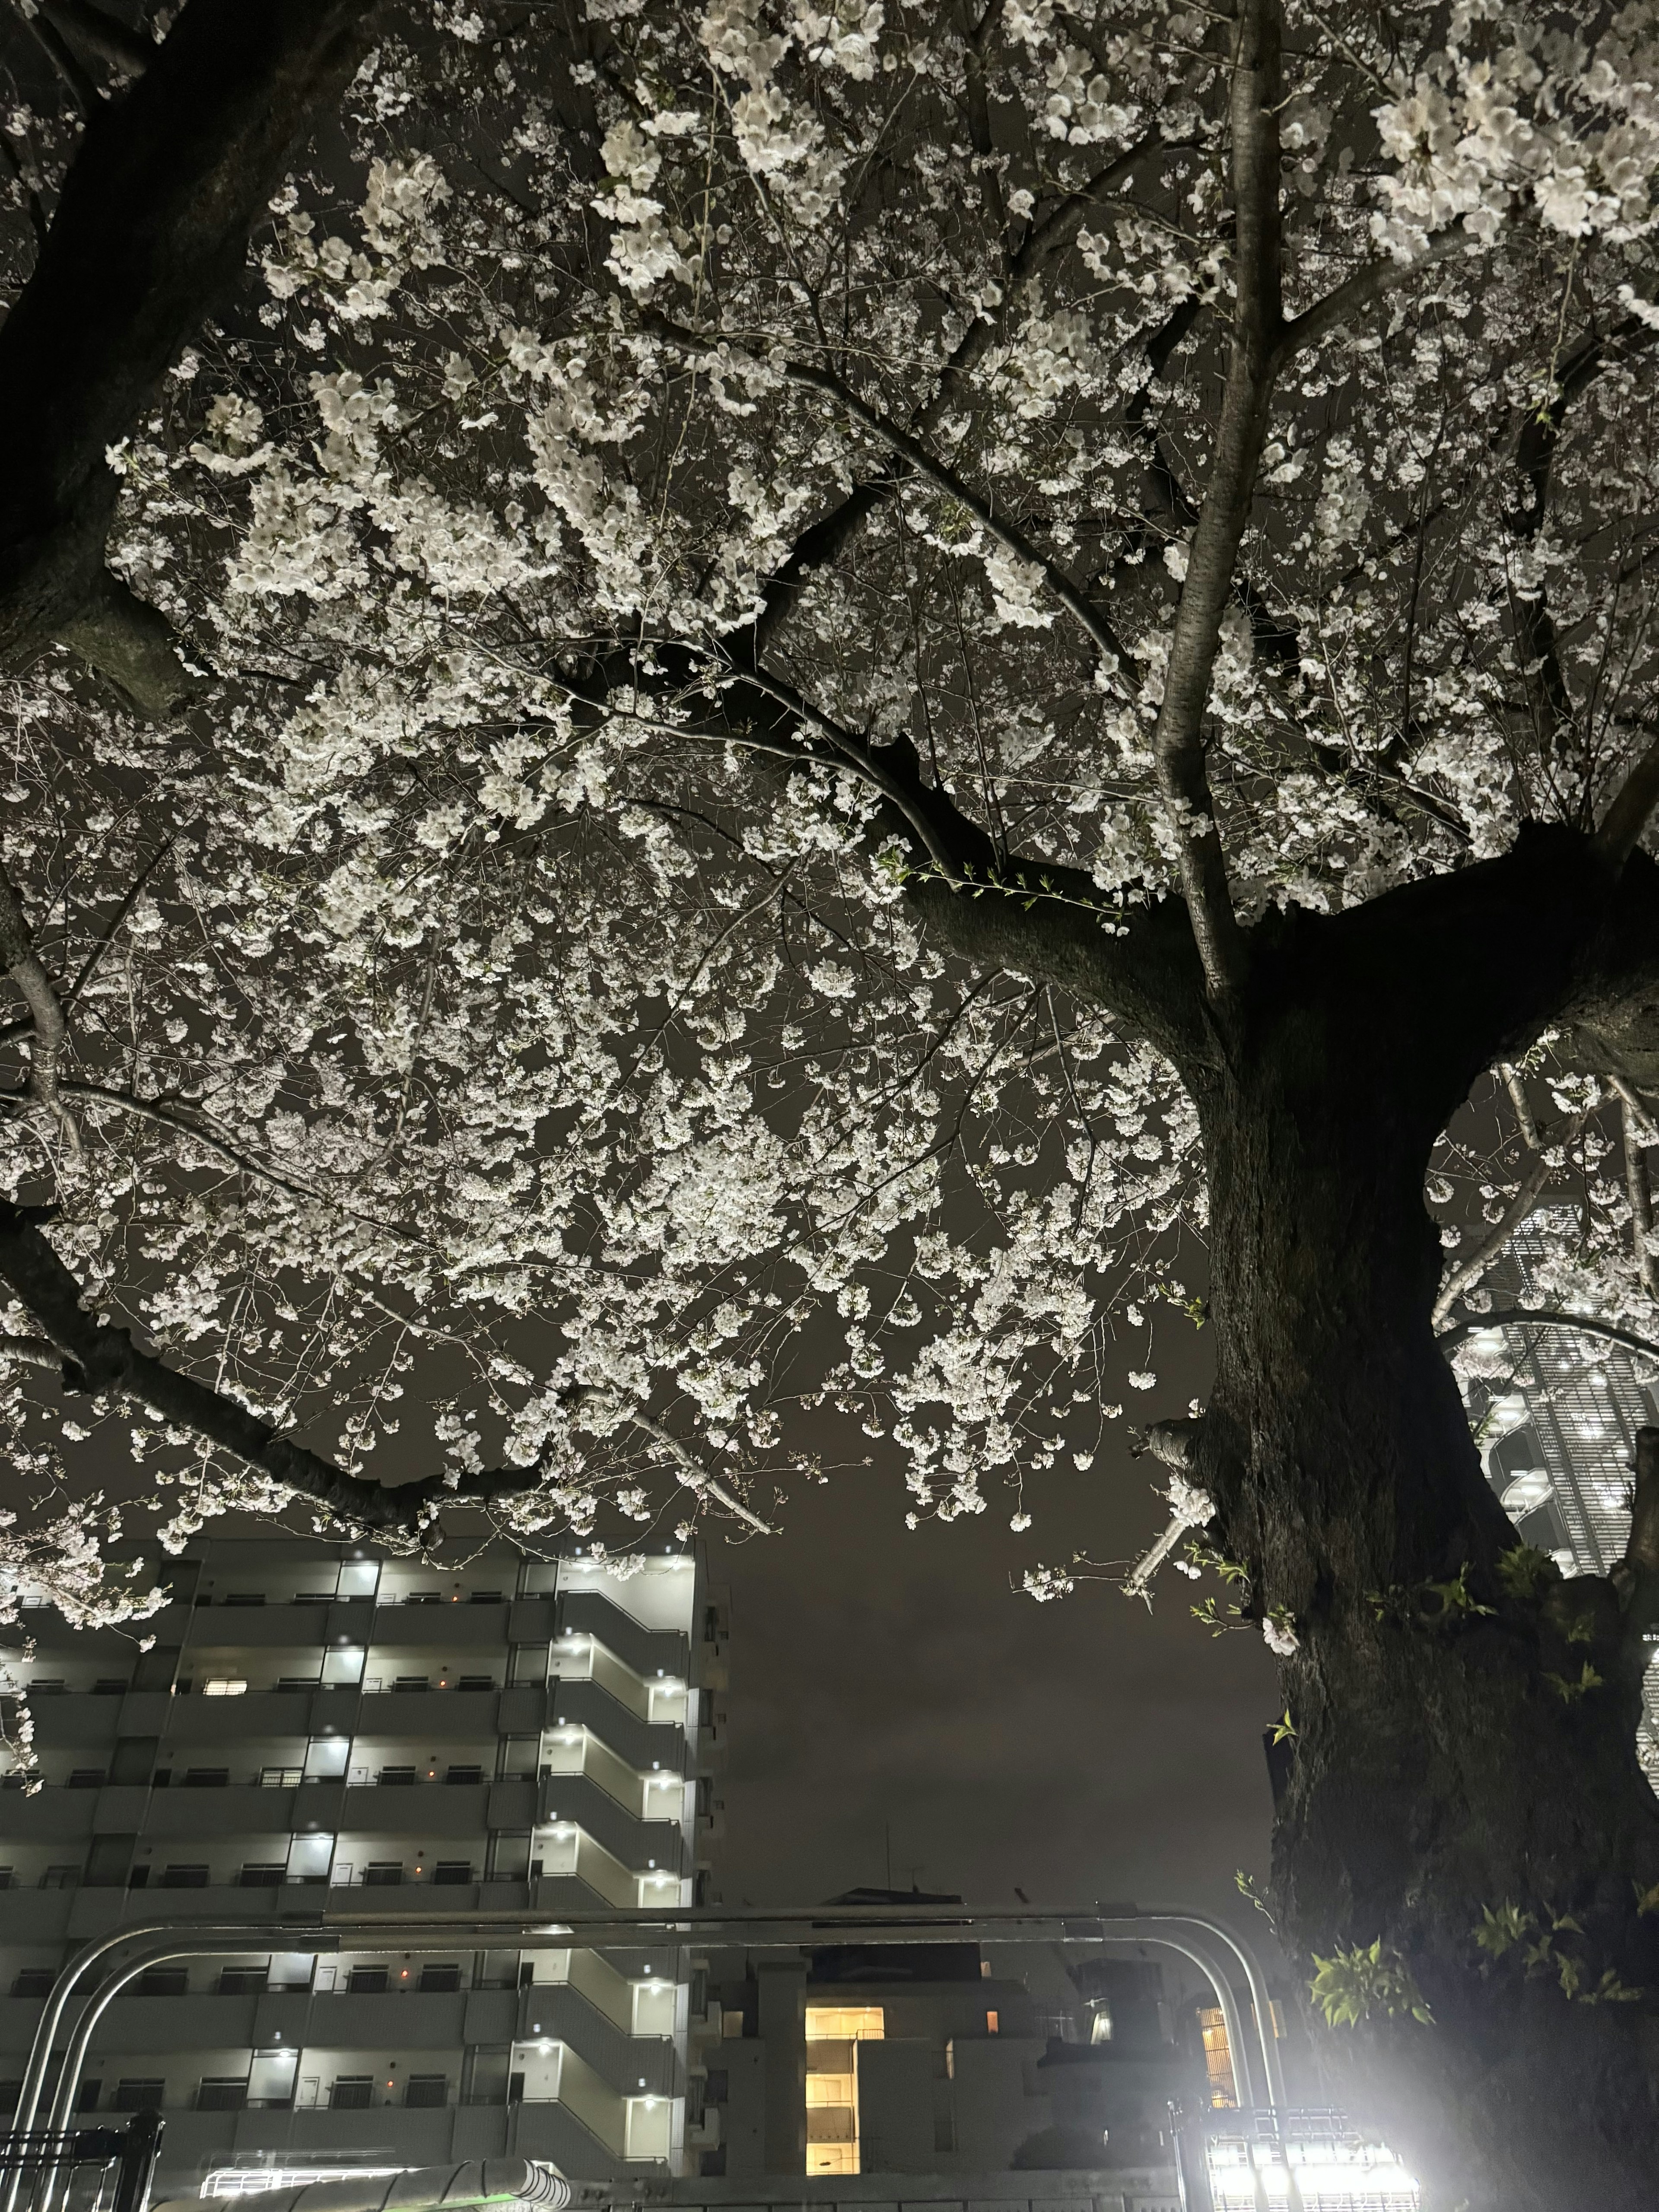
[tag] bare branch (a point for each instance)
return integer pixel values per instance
(51, 40)
(693, 1475)
(191, 1122)
(1468, 1271)
(1641, 1199)
(50, 1038)
(1586, 1324)
(1633, 1107)
(1089, 617)
(1367, 285)
(1206, 591)
(1523, 1105)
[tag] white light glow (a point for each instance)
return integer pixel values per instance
(1334, 2175)
(260, 2180)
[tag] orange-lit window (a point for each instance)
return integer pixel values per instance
(833, 2033)
(1217, 2058)
(990, 2023)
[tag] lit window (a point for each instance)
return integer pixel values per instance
(224, 1685)
(1217, 2058)
(990, 2023)
(832, 2032)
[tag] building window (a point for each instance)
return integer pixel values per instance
(219, 2092)
(281, 1778)
(452, 1871)
(396, 1777)
(432, 1978)
(991, 2023)
(33, 1982)
(60, 1877)
(184, 1877)
(423, 2091)
(476, 1682)
(164, 1982)
(261, 1877)
(464, 1777)
(350, 2093)
(131, 2096)
(1217, 2056)
(368, 1980)
(832, 2035)
(412, 1682)
(383, 1874)
(85, 1778)
(206, 1777)
(243, 1981)
(224, 1685)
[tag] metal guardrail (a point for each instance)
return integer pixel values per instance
(132, 2151)
(1286, 2158)
(1207, 1943)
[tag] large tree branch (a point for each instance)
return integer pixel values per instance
(103, 36)
(49, 1031)
(107, 1358)
(1368, 284)
(97, 1356)
(1032, 917)
(1206, 591)
(1537, 447)
(1632, 1123)
(1542, 1317)
(1619, 830)
(151, 228)
(1636, 1579)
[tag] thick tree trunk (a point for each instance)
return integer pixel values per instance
(1448, 1763)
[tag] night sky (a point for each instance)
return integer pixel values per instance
(1079, 1750)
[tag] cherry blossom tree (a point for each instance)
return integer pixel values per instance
(721, 711)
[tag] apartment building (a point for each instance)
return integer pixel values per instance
(924, 2058)
(320, 1731)
(1559, 1436)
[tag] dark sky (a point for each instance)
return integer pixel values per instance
(1083, 1749)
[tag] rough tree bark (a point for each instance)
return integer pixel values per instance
(149, 231)
(1449, 1761)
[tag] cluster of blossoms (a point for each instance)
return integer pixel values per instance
(500, 1046)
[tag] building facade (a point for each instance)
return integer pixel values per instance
(1559, 1438)
(924, 2059)
(316, 1730)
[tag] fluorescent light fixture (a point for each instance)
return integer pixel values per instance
(260, 2180)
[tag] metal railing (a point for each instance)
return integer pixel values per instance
(125, 1954)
